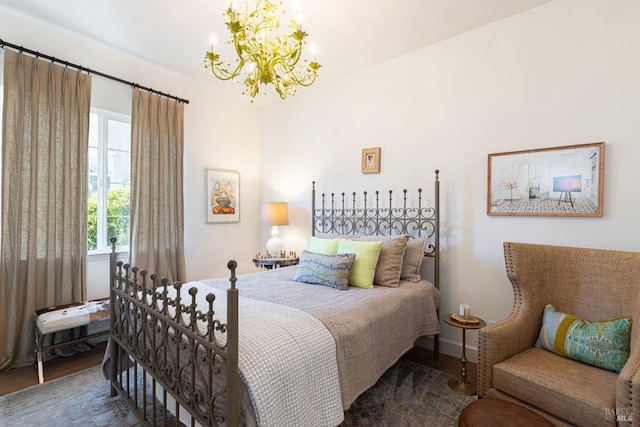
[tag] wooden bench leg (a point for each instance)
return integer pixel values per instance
(39, 367)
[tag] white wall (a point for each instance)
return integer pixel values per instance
(219, 132)
(564, 73)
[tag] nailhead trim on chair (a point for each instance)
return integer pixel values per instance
(483, 362)
(635, 412)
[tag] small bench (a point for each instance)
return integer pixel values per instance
(64, 317)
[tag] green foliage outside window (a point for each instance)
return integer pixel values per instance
(117, 218)
(92, 223)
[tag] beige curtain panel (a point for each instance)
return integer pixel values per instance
(44, 196)
(157, 221)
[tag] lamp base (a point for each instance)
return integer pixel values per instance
(275, 244)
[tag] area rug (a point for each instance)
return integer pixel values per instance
(79, 399)
(408, 394)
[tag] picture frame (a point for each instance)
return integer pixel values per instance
(557, 181)
(222, 198)
(371, 160)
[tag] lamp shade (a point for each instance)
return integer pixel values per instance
(275, 213)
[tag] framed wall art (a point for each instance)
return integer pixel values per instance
(371, 160)
(558, 181)
(223, 195)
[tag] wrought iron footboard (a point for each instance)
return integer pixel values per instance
(162, 346)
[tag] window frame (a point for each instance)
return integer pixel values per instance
(102, 241)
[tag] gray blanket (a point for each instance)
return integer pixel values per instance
(372, 328)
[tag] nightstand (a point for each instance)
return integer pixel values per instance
(461, 385)
(268, 261)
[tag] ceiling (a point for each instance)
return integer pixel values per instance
(350, 34)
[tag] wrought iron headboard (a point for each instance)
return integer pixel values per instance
(338, 216)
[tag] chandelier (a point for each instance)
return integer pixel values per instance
(264, 55)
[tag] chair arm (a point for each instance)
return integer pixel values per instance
(504, 339)
(628, 391)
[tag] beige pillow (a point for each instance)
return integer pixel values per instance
(412, 260)
(390, 259)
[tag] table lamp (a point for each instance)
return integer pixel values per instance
(275, 214)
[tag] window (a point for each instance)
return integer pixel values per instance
(109, 180)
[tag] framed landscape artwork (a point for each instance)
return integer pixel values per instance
(223, 195)
(558, 181)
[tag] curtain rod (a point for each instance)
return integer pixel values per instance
(88, 70)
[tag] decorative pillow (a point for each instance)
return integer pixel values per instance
(322, 246)
(364, 266)
(412, 260)
(325, 270)
(604, 344)
(390, 260)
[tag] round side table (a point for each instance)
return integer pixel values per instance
(462, 385)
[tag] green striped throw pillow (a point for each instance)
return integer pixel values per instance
(326, 270)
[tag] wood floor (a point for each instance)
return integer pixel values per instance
(16, 379)
(448, 364)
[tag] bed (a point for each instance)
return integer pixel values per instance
(269, 348)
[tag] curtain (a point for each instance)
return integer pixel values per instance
(157, 221)
(44, 183)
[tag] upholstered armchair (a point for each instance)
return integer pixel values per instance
(590, 284)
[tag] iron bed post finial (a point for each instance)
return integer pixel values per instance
(232, 265)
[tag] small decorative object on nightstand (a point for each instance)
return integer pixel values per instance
(462, 385)
(281, 259)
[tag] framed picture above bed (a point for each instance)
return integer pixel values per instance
(223, 195)
(371, 160)
(558, 181)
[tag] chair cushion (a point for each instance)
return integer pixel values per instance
(604, 344)
(578, 393)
